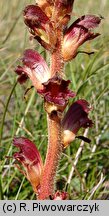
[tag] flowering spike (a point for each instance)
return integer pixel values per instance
(78, 33)
(47, 22)
(75, 118)
(34, 67)
(30, 159)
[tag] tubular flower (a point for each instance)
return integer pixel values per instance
(40, 25)
(56, 91)
(75, 118)
(30, 159)
(34, 67)
(78, 33)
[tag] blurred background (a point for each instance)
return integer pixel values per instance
(21, 116)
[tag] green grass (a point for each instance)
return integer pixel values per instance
(26, 117)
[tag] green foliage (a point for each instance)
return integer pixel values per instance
(26, 117)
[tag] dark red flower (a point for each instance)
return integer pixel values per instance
(30, 159)
(34, 67)
(56, 91)
(40, 25)
(78, 33)
(75, 118)
(35, 18)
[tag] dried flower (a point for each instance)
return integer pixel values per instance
(75, 118)
(30, 159)
(34, 67)
(78, 33)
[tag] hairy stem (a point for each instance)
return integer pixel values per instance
(57, 63)
(55, 146)
(54, 152)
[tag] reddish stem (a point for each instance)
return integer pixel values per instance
(57, 63)
(55, 146)
(54, 151)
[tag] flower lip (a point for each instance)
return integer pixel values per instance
(56, 91)
(88, 21)
(20, 71)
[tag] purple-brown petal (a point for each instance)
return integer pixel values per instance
(77, 116)
(39, 24)
(27, 149)
(56, 91)
(34, 67)
(32, 58)
(78, 33)
(34, 17)
(88, 21)
(85, 22)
